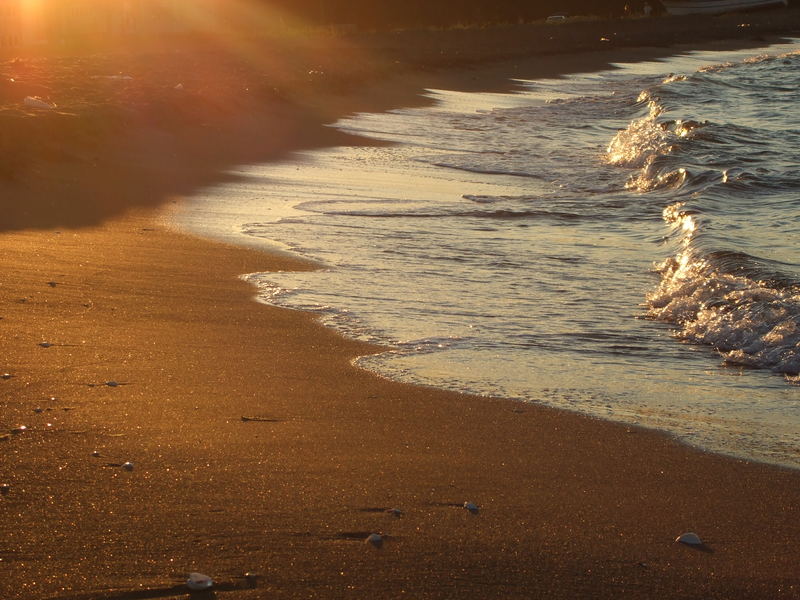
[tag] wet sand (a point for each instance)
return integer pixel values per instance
(256, 446)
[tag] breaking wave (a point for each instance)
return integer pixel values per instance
(729, 182)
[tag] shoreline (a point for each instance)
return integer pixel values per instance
(203, 222)
(570, 506)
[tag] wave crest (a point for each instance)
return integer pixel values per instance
(642, 139)
(750, 322)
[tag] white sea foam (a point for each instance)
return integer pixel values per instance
(642, 140)
(748, 322)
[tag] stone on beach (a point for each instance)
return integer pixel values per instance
(374, 539)
(197, 582)
(471, 507)
(128, 466)
(690, 538)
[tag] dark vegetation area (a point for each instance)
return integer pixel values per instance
(383, 14)
(415, 13)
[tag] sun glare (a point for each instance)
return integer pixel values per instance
(30, 9)
(53, 19)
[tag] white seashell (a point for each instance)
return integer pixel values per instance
(128, 466)
(473, 508)
(198, 582)
(689, 538)
(374, 539)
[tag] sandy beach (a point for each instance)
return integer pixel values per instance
(254, 445)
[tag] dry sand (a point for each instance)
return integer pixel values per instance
(571, 507)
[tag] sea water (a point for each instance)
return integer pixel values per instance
(622, 243)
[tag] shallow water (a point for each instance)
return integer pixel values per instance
(621, 243)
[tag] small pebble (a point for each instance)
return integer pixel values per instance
(45, 344)
(689, 538)
(6, 376)
(197, 582)
(20, 429)
(96, 454)
(128, 466)
(38, 410)
(374, 539)
(395, 512)
(5, 489)
(473, 508)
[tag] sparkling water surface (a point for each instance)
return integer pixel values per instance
(622, 243)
